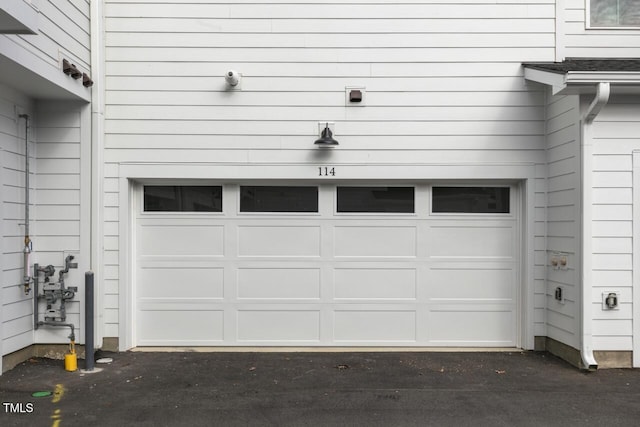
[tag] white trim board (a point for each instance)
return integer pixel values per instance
(132, 173)
(636, 259)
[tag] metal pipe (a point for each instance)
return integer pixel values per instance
(26, 252)
(72, 337)
(36, 285)
(88, 322)
(96, 148)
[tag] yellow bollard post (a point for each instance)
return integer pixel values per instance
(71, 358)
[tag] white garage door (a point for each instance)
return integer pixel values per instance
(327, 265)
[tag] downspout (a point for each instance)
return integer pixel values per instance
(26, 252)
(603, 90)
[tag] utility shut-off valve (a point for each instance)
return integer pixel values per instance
(56, 294)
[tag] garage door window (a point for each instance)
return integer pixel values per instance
(173, 198)
(278, 199)
(376, 199)
(471, 199)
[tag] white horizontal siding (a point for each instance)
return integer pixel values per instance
(296, 113)
(425, 67)
(443, 85)
(63, 31)
(291, 40)
(563, 216)
(260, 88)
(190, 57)
(16, 308)
(326, 10)
(616, 133)
(460, 93)
(580, 41)
(309, 128)
(58, 193)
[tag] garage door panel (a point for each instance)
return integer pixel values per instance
(180, 304)
(326, 278)
(453, 281)
(278, 283)
(472, 327)
(375, 283)
(278, 326)
(176, 327)
(378, 241)
(180, 240)
(278, 241)
(374, 326)
(181, 282)
(474, 241)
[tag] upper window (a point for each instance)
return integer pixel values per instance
(173, 198)
(278, 199)
(615, 13)
(376, 199)
(471, 199)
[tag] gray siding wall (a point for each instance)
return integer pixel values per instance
(563, 218)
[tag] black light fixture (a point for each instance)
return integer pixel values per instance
(75, 73)
(326, 138)
(86, 80)
(66, 67)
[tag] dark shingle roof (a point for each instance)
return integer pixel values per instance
(587, 64)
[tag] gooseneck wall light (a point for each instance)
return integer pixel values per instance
(326, 138)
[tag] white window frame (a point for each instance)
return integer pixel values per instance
(512, 202)
(415, 212)
(240, 213)
(181, 213)
(588, 26)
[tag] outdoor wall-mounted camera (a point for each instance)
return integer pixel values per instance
(232, 78)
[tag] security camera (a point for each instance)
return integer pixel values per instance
(232, 78)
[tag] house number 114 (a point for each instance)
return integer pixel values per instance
(326, 171)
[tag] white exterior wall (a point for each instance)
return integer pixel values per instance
(576, 40)
(615, 133)
(62, 203)
(58, 209)
(563, 219)
(443, 87)
(63, 31)
(17, 308)
(59, 134)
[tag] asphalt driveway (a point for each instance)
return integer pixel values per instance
(320, 389)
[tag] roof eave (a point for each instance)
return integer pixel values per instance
(581, 82)
(557, 81)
